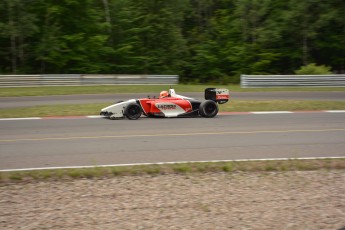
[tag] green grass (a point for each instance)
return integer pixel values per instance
(281, 105)
(72, 90)
(180, 168)
(53, 110)
(232, 106)
(113, 89)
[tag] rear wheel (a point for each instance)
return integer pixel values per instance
(133, 111)
(208, 108)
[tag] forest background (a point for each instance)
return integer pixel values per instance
(200, 40)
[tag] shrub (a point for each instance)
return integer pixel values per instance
(313, 69)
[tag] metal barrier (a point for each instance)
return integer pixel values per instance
(85, 79)
(259, 81)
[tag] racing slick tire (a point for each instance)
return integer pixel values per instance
(133, 111)
(208, 108)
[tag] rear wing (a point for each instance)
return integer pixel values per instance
(220, 96)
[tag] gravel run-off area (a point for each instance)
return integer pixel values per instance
(240, 200)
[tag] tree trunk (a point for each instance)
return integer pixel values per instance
(12, 39)
(305, 49)
(108, 19)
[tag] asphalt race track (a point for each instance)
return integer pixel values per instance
(99, 141)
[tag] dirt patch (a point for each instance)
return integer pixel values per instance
(244, 200)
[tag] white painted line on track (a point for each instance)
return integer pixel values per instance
(20, 118)
(220, 113)
(94, 116)
(335, 111)
(174, 162)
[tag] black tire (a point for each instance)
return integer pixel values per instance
(208, 108)
(133, 111)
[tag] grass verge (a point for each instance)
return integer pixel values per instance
(232, 106)
(281, 105)
(180, 168)
(112, 89)
(53, 110)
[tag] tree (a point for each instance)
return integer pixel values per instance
(201, 40)
(17, 27)
(70, 44)
(159, 45)
(329, 45)
(304, 24)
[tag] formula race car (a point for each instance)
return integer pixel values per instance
(169, 104)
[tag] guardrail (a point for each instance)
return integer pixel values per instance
(259, 81)
(85, 79)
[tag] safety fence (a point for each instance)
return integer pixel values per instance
(260, 81)
(85, 79)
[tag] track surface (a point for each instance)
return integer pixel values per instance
(13, 102)
(77, 142)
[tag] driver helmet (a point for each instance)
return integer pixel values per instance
(163, 94)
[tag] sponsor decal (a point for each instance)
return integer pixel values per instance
(171, 109)
(222, 97)
(166, 107)
(222, 94)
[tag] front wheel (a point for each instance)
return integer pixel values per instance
(133, 111)
(208, 108)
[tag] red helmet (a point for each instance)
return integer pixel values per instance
(163, 94)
